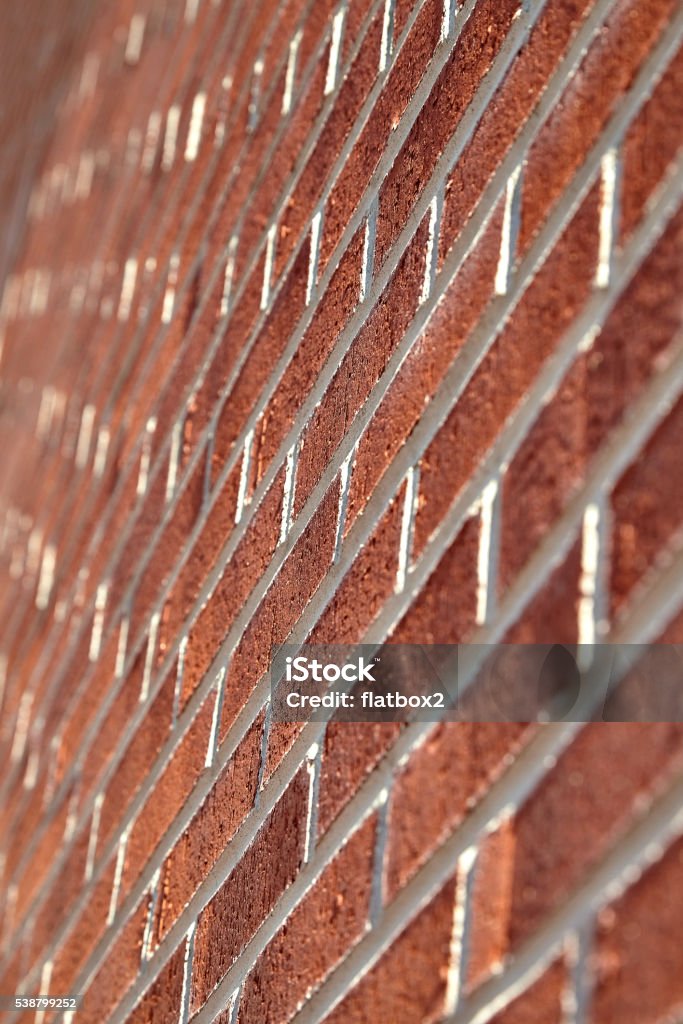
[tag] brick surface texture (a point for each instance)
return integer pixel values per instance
(340, 321)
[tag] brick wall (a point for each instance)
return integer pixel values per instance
(336, 321)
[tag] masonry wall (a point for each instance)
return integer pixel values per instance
(336, 321)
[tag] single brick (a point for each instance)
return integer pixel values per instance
(331, 917)
(250, 892)
(224, 809)
(489, 906)
(408, 984)
(646, 508)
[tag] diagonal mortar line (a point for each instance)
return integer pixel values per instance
(97, 539)
(152, 212)
(527, 585)
(102, 526)
(517, 783)
(653, 226)
(187, 222)
(579, 52)
(417, 100)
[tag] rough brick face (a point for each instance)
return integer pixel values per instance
(337, 322)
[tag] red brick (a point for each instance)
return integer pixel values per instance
(246, 566)
(226, 806)
(399, 87)
(425, 366)
(362, 366)
(219, 524)
(119, 970)
(544, 312)
(250, 892)
(606, 73)
(507, 113)
(166, 799)
(580, 810)
(292, 589)
(137, 760)
(543, 1000)
(408, 984)
(267, 349)
(553, 459)
(454, 90)
(161, 1003)
(646, 508)
(442, 780)
(84, 935)
(328, 921)
(650, 145)
(489, 906)
(348, 102)
(331, 316)
(637, 959)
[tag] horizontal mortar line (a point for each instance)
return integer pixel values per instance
(322, 487)
(218, 486)
(528, 584)
(363, 804)
(96, 540)
(179, 193)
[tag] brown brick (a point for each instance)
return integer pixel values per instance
(224, 809)
(543, 1000)
(292, 589)
(324, 926)
(119, 970)
(271, 864)
(166, 799)
(507, 113)
(650, 145)
(489, 906)
(425, 366)
(453, 91)
(442, 780)
(545, 311)
(646, 506)
(161, 1002)
(580, 810)
(242, 572)
(401, 82)
(408, 984)
(362, 366)
(606, 73)
(637, 960)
